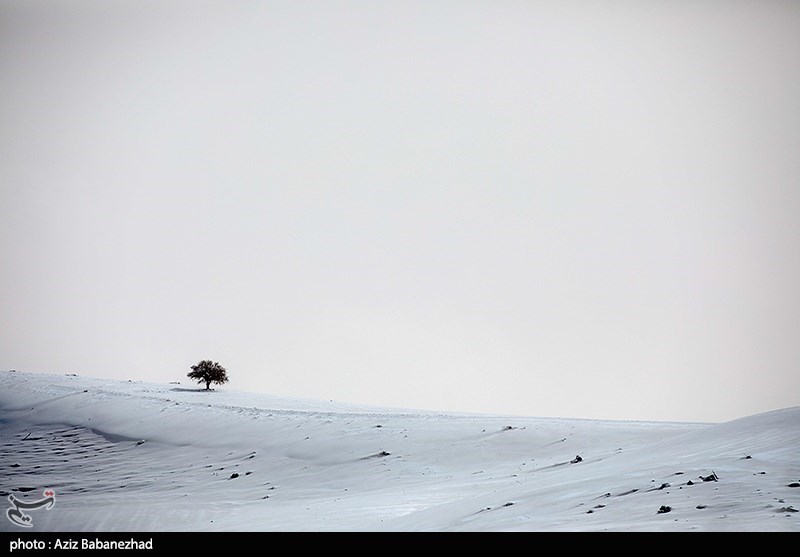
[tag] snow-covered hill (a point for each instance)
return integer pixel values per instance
(132, 456)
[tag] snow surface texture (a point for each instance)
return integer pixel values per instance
(132, 456)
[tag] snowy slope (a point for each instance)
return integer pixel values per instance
(132, 456)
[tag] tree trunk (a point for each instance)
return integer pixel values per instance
(208, 383)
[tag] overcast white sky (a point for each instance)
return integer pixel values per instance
(566, 208)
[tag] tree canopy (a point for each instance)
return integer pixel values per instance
(208, 372)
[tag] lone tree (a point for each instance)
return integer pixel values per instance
(208, 372)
